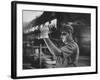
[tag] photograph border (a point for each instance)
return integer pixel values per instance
(14, 38)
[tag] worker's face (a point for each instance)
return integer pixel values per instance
(64, 36)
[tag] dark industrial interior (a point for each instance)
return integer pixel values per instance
(82, 35)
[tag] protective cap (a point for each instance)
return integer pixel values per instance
(66, 27)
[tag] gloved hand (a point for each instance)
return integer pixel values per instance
(44, 30)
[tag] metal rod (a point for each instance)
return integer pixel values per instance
(40, 55)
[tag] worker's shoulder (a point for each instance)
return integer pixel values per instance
(71, 45)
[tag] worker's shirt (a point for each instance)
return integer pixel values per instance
(67, 58)
(69, 55)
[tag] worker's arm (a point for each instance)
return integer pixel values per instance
(51, 46)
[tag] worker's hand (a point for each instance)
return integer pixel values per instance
(44, 30)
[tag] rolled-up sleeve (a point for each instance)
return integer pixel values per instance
(68, 49)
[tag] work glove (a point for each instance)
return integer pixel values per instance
(44, 30)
